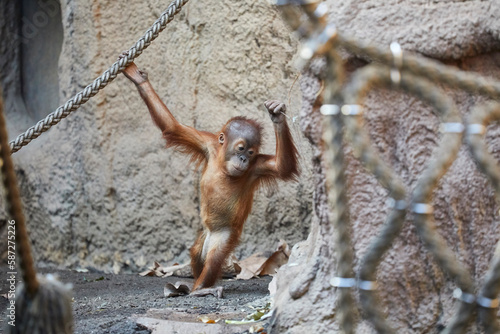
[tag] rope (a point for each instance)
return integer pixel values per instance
(14, 208)
(336, 186)
(431, 69)
(359, 86)
(344, 122)
(485, 115)
(100, 82)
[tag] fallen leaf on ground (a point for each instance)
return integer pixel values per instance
(231, 267)
(259, 314)
(217, 291)
(177, 289)
(182, 270)
(276, 260)
(251, 265)
(185, 288)
(158, 270)
(259, 264)
(153, 271)
(207, 320)
(256, 329)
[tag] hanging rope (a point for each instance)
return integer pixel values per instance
(343, 111)
(109, 75)
(14, 208)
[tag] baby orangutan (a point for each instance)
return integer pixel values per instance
(233, 169)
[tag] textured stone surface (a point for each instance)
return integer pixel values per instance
(100, 188)
(424, 26)
(416, 295)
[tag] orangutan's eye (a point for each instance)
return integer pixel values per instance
(241, 148)
(250, 152)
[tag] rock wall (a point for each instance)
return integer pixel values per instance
(99, 188)
(415, 294)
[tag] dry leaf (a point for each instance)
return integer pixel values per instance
(177, 289)
(176, 269)
(283, 246)
(158, 270)
(276, 260)
(259, 264)
(151, 271)
(250, 266)
(207, 320)
(147, 273)
(256, 329)
(231, 267)
(217, 291)
(237, 268)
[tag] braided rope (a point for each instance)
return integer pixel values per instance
(336, 184)
(404, 74)
(488, 165)
(420, 66)
(100, 82)
(359, 85)
(15, 210)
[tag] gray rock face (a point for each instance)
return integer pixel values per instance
(424, 26)
(100, 189)
(416, 295)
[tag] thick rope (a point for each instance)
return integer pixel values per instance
(355, 92)
(109, 75)
(393, 71)
(431, 69)
(484, 116)
(337, 194)
(15, 210)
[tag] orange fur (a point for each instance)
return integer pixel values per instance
(184, 143)
(195, 252)
(226, 195)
